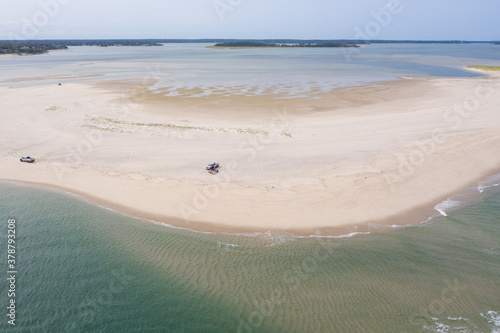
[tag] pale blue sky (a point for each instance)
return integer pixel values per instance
(305, 19)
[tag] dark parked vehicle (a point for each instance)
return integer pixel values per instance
(27, 159)
(212, 166)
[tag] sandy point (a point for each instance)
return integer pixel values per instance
(384, 153)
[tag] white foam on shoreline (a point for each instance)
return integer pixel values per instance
(349, 235)
(466, 195)
(227, 247)
(493, 318)
(457, 325)
(278, 238)
(492, 181)
(445, 205)
(461, 324)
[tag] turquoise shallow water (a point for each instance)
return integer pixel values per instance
(82, 268)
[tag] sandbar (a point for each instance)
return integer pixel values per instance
(383, 153)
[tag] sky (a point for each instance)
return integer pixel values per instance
(251, 19)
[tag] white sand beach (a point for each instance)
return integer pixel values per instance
(368, 154)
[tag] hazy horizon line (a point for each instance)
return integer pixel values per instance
(258, 39)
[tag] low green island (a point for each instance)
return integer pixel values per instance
(31, 47)
(485, 68)
(28, 48)
(253, 44)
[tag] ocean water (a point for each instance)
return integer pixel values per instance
(82, 268)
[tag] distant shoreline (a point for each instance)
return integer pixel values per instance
(35, 47)
(484, 68)
(74, 42)
(266, 47)
(258, 44)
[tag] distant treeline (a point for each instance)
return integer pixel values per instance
(300, 44)
(86, 42)
(28, 48)
(43, 46)
(335, 41)
(141, 42)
